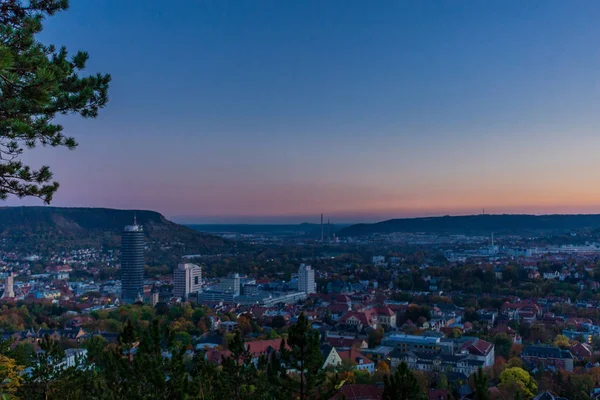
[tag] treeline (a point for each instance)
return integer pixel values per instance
(155, 361)
(153, 364)
(474, 280)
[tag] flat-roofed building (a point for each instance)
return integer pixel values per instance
(187, 279)
(424, 344)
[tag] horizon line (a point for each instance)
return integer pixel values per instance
(298, 220)
(336, 218)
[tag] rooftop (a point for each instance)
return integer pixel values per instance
(546, 352)
(396, 337)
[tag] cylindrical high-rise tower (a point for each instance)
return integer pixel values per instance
(132, 263)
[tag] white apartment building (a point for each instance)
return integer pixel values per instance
(187, 279)
(306, 279)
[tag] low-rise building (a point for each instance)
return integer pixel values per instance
(228, 326)
(582, 351)
(585, 337)
(548, 356)
(424, 344)
(358, 360)
(480, 350)
(437, 362)
(331, 357)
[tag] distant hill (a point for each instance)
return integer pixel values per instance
(478, 224)
(305, 229)
(42, 227)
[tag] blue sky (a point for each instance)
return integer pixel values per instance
(280, 110)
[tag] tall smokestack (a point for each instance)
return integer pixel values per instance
(321, 228)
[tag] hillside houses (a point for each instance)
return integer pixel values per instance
(524, 311)
(437, 362)
(370, 317)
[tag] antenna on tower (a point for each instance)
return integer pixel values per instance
(134, 219)
(321, 227)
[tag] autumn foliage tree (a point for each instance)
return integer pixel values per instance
(10, 376)
(382, 368)
(516, 380)
(562, 341)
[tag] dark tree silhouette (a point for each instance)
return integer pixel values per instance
(480, 381)
(37, 82)
(402, 385)
(300, 355)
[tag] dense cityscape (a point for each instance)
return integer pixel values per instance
(523, 311)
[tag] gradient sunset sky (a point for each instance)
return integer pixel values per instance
(275, 111)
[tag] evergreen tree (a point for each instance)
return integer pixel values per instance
(95, 346)
(151, 364)
(127, 338)
(298, 372)
(480, 381)
(37, 82)
(240, 371)
(116, 376)
(46, 371)
(207, 381)
(402, 385)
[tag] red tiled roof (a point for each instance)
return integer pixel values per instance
(578, 321)
(581, 350)
(360, 392)
(215, 355)
(553, 320)
(344, 342)
(478, 347)
(397, 307)
(338, 307)
(438, 394)
(524, 305)
(503, 328)
(353, 356)
(61, 268)
(342, 298)
(361, 316)
(526, 314)
(385, 311)
(260, 347)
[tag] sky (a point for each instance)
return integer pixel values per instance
(277, 111)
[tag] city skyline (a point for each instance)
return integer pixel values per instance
(292, 200)
(280, 111)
